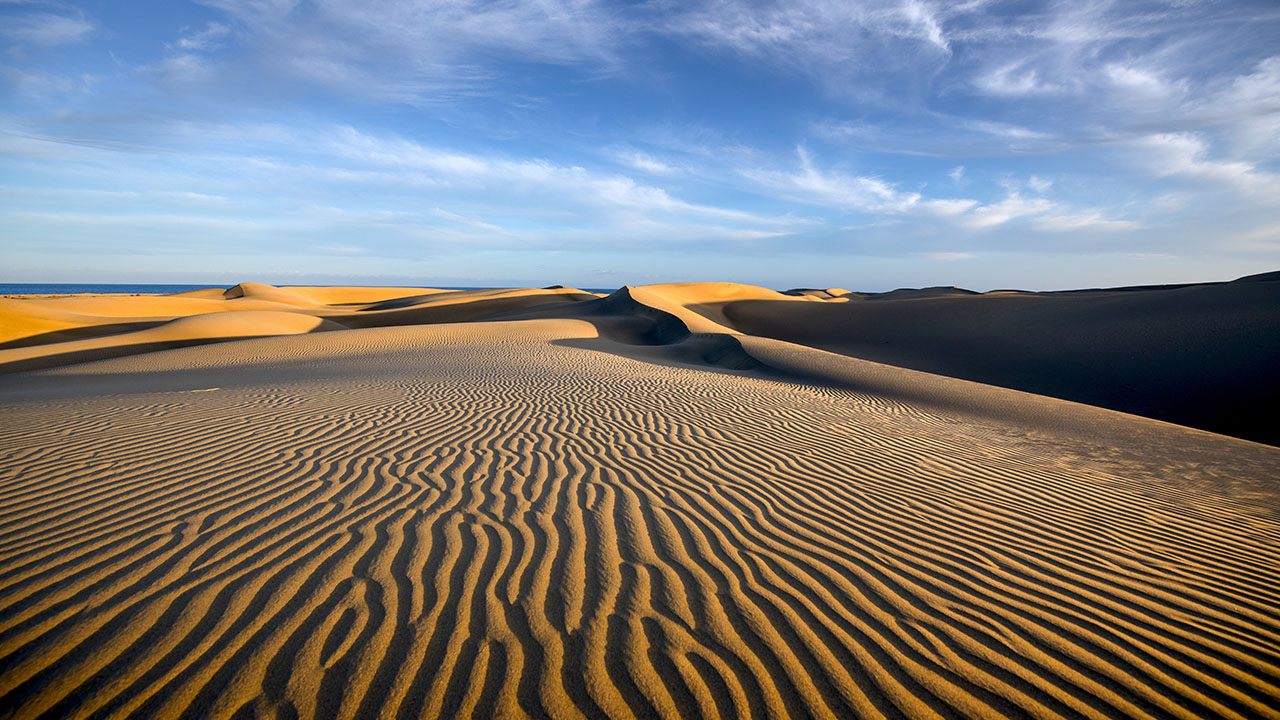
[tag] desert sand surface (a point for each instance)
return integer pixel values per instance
(693, 500)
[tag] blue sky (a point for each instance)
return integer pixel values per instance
(866, 145)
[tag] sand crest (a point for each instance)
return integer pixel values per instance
(546, 503)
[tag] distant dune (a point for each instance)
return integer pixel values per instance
(1199, 355)
(688, 500)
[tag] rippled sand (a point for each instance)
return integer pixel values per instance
(576, 506)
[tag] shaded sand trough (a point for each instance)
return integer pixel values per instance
(550, 503)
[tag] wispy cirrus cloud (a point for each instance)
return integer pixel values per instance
(845, 191)
(1058, 75)
(874, 48)
(1016, 79)
(877, 196)
(544, 204)
(43, 28)
(530, 177)
(1086, 221)
(644, 162)
(210, 37)
(1012, 207)
(820, 30)
(1186, 155)
(411, 52)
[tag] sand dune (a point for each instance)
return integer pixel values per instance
(358, 295)
(545, 503)
(1198, 355)
(458, 306)
(179, 332)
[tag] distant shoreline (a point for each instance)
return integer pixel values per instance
(167, 288)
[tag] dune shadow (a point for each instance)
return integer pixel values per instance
(76, 357)
(79, 333)
(1200, 356)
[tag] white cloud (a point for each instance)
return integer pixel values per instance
(38, 85)
(471, 222)
(947, 207)
(834, 189)
(645, 163)
(1039, 184)
(255, 12)
(548, 30)
(183, 70)
(813, 185)
(210, 37)
(1255, 91)
(1088, 73)
(824, 29)
(347, 142)
(867, 48)
(1012, 207)
(1141, 84)
(1015, 80)
(1257, 137)
(948, 256)
(44, 28)
(332, 182)
(1008, 131)
(921, 21)
(1185, 155)
(1249, 107)
(1093, 220)
(409, 50)
(389, 157)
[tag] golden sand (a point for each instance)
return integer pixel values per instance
(547, 503)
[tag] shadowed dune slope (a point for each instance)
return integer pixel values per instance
(1202, 355)
(460, 306)
(545, 518)
(269, 293)
(180, 332)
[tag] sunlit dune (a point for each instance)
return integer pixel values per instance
(682, 500)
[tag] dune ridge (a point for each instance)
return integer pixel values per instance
(547, 503)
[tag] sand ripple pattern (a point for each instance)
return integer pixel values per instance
(523, 529)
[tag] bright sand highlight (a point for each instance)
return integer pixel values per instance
(548, 503)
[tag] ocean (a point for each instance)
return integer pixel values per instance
(125, 289)
(74, 288)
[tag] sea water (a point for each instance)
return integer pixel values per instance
(126, 289)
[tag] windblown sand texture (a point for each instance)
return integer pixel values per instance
(549, 503)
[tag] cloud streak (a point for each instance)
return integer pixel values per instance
(45, 29)
(418, 53)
